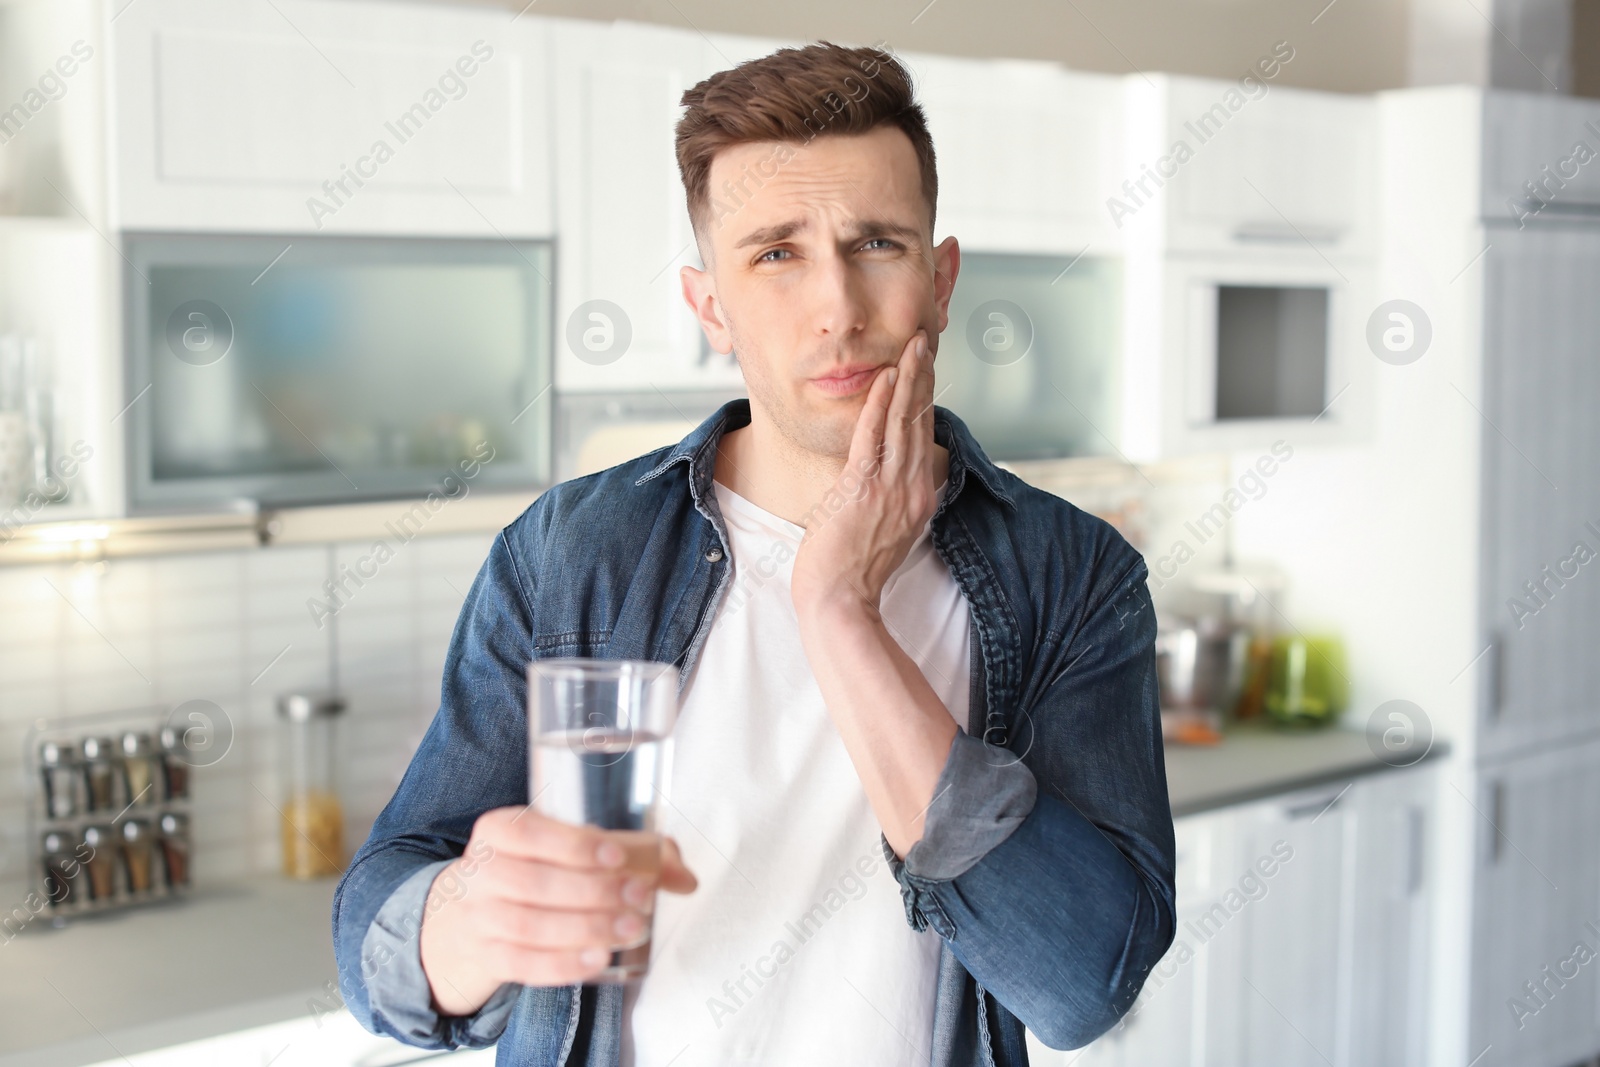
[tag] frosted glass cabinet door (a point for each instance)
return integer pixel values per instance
(1029, 357)
(335, 369)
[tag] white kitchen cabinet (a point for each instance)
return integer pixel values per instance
(1541, 505)
(1389, 979)
(1303, 930)
(1295, 935)
(1027, 153)
(1217, 166)
(310, 117)
(1535, 993)
(621, 320)
(1541, 158)
(1235, 197)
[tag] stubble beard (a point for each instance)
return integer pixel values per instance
(820, 432)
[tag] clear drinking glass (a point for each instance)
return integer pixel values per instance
(598, 737)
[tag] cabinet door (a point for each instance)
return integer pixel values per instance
(1534, 138)
(1541, 518)
(315, 117)
(1280, 167)
(621, 321)
(1026, 153)
(1387, 984)
(1536, 900)
(1295, 932)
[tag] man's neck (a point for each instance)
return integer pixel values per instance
(776, 475)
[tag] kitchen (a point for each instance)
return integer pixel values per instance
(303, 301)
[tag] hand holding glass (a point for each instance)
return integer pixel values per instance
(599, 747)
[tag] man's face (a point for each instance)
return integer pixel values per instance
(824, 268)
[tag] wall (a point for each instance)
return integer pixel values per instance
(129, 633)
(1345, 45)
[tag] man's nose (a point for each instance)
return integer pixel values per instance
(836, 297)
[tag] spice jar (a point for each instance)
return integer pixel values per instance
(175, 848)
(138, 853)
(101, 861)
(311, 816)
(139, 769)
(63, 873)
(100, 773)
(175, 757)
(58, 763)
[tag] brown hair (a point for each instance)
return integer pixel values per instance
(793, 95)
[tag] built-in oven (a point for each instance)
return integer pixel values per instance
(1263, 346)
(295, 370)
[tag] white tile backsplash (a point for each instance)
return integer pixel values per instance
(237, 629)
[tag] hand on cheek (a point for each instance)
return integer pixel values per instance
(865, 525)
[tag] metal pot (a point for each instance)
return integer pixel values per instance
(1200, 662)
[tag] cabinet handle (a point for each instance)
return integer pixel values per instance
(1494, 685)
(1283, 233)
(1497, 818)
(1417, 829)
(1312, 808)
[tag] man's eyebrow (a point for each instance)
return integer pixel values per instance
(772, 234)
(859, 231)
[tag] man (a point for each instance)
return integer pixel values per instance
(917, 771)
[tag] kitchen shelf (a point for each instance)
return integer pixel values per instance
(76, 536)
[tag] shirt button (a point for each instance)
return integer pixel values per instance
(714, 555)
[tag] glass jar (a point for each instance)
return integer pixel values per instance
(100, 773)
(101, 861)
(175, 848)
(65, 882)
(138, 855)
(139, 769)
(312, 819)
(175, 757)
(1307, 683)
(58, 763)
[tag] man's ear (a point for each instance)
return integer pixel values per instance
(946, 265)
(700, 293)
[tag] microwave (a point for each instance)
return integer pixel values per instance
(278, 371)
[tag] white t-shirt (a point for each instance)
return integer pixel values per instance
(794, 949)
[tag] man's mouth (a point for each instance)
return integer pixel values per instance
(846, 380)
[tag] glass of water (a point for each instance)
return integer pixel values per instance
(599, 748)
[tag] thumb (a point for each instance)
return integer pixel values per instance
(675, 877)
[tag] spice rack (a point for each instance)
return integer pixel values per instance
(108, 811)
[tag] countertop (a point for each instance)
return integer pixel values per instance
(1257, 762)
(117, 984)
(230, 959)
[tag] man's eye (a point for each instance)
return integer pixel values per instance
(883, 241)
(771, 252)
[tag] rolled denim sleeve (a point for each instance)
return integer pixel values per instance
(983, 794)
(397, 987)
(1059, 899)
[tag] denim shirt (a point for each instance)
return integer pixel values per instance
(1045, 865)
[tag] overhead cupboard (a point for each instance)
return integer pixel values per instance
(1249, 214)
(1218, 311)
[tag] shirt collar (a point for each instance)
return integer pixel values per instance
(699, 451)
